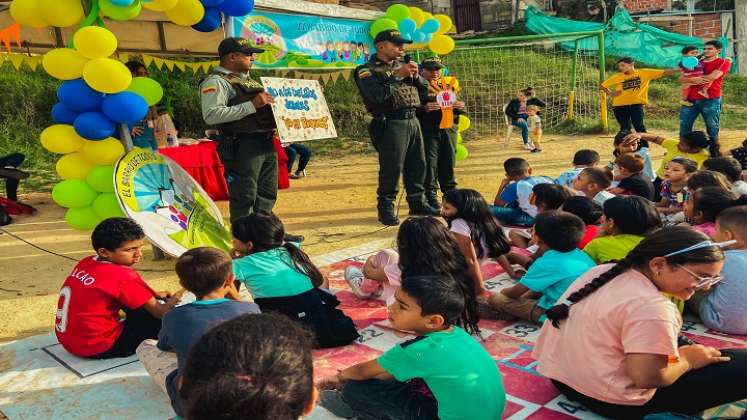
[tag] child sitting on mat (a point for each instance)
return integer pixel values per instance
(99, 287)
(589, 211)
(282, 278)
(255, 366)
(545, 197)
(593, 183)
(582, 159)
(206, 272)
(631, 179)
(443, 373)
(626, 221)
(705, 204)
(511, 205)
(673, 189)
(731, 169)
(625, 144)
(560, 262)
(426, 248)
(724, 306)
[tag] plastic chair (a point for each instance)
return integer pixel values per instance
(509, 127)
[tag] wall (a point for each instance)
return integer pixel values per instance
(641, 6)
(704, 25)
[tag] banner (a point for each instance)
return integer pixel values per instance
(174, 211)
(300, 110)
(303, 41)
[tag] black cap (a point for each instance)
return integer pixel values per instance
(230, 45)
(432, 63)
(391, 35)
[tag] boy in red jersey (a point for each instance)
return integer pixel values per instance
(88, 322)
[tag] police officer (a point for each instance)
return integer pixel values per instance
(239, 108)
(389, 90)
(440, 143)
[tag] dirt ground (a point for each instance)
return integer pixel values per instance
(334, 207)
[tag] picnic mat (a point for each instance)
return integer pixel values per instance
(39, 379)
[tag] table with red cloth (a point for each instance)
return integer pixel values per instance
(201, 161)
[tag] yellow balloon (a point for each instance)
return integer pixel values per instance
(64, 63)
(427, 15)
(417, 15)
(107, 75)
(103, 152)
(445, 22)
(95, 42)
(26, 12)
(61, 138)
(464, 123)
(61, 13)
(159, 5)
(441, 44)
(73, 166)
(186, 12)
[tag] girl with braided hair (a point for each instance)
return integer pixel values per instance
(611, 344)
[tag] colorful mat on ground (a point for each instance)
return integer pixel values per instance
(38, 379)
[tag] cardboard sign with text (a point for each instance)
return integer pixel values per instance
(300, 109)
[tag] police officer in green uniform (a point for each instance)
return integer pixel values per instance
(239, 108)
(440, 143)
(389, 91)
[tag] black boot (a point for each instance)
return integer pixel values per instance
(434, 202)
(386, 214)
(423, 209)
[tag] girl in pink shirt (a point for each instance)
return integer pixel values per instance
(705, 204)
(611, 344)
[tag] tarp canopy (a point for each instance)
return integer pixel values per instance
(152, 32)
(623, 37)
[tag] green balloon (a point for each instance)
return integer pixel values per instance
(82, 219)
(101, 178)
(118, 12)
(106, 205)
(398, 12)
(382, 24)
(148, 88)
(461, 152)
(73, 193)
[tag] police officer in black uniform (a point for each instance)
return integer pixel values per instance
(389, 88)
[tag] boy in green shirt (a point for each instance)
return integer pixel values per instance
(443, 373)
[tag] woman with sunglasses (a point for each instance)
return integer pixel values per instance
(611, 344)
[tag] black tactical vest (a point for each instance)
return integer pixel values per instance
(247, 89)
(404, 95)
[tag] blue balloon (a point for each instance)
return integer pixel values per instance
(418, 37)
(211, 3)
(78, 96)
(94, 126)
(430, 26)
(61, 114)
(407, 25)
(428, 38)
(237, 7)
(210, 22)
(690, 62)
(122, 3)
(125, 107)
(406, 35)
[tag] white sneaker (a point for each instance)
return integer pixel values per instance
(354, 276)
(528, 146)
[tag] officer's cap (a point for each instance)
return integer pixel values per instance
(231, 45)
(432, 63)
(391, 35)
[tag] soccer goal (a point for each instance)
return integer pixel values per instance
(565, 71)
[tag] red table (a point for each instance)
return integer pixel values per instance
(201, 161)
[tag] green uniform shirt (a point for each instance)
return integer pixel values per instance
(608, 248)
(215, 92)
(457, 369)
(270, 274)
(382, 91)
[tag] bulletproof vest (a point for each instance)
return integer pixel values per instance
(404, 95)
(246, 90)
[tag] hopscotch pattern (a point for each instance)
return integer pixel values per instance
(510, 343)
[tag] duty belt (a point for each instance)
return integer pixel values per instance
(401, 114)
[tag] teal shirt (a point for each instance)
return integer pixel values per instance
(553, 272)
(271, 274)
(457, 369)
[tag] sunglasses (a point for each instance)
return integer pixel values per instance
(703, 281)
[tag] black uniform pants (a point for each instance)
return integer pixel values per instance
(630, 114)
(440, 158)
(251, 170)
(399, 143)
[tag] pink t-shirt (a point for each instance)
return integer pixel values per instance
(626, 315)
(709, 228)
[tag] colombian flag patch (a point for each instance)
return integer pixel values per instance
(208, 89)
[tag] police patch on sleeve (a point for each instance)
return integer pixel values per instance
(364, 72)
(209, 88)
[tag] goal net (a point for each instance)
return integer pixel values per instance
(564, 74)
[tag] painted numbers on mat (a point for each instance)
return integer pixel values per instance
(522, 331)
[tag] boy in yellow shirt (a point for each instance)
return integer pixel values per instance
(630, 93)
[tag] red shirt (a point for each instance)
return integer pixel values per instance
(589, 234)
(87, 321)
(714, 91)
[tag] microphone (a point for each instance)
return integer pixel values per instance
(407, 58)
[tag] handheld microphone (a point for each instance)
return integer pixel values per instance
(407, 58)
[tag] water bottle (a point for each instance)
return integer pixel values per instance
(170, 140)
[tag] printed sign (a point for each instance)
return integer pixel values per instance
(174, 211)
(300, 110)
(302, 41)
